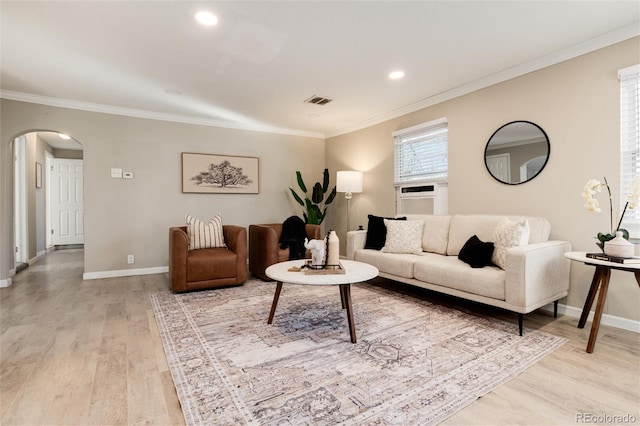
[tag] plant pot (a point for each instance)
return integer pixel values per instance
(618, 247)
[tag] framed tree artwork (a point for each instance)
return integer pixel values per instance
(220, 174)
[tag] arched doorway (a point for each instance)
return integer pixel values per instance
(40, 156)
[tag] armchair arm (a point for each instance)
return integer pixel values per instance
(235, 238)
(263, 249)
(178, 250)
(355, 241)
(537, 274)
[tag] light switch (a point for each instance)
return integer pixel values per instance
(116, 173)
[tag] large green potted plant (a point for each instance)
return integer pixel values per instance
(315, 209)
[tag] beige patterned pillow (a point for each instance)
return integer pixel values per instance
(508, 234)
(205, 235)
(403, 236)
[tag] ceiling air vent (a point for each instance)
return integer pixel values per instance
(318, 100)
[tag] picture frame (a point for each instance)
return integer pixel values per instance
(220, 174)
(38, 175)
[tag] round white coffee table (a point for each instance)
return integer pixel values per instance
(355, 272)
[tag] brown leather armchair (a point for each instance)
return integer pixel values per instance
(209, 267)
(264, 249)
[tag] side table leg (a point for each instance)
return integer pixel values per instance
(342, 297)
(604, 286)
(595, 283)
(345, 290)
(275, 302)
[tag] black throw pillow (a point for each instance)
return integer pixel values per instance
(476, 253)
(377, 231)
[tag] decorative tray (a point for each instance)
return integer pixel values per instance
(323, 270)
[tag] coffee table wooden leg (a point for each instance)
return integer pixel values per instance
(275, 302)
(604, 286)
(342, 297)
(593, 290)
(345, 291)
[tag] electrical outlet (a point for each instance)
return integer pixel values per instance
(130, 259)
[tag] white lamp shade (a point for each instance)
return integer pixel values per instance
(349, 181)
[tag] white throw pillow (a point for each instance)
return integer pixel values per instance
(403, 236)
(205, 235)
(508, 234)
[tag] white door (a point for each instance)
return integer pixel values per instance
(500, 166)
(48, 168)
(67, 210)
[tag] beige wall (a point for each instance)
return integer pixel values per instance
(575, 102)
(133, 216)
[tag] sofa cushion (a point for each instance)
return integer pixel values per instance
(435, 234)
(377, 232)
(476, 253)
(403, 236)
(506, 235)
(205, 235)
(395, 264)
(464, 227)
(451, 272)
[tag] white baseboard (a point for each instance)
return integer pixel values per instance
(124, 273)
(5, 283)
(612, 320)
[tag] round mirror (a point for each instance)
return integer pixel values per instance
(517, 152)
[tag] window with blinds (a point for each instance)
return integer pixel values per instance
(629, 143)
(421, 152)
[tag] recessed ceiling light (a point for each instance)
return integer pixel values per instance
(395, 75)
(63, 136)
(206, 18)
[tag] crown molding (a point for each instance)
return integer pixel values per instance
(574, 51)
(150, 115)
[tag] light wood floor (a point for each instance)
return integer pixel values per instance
(88, 352)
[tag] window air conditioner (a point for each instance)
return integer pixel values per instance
(422, 198)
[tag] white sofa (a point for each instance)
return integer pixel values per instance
(535, 274)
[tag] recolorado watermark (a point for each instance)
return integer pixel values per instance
(614, 419)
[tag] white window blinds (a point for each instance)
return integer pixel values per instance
(629, 142)
(421, 152)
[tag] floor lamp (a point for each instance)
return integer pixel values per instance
(349, 182)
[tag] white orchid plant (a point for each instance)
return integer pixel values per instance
(591, 203)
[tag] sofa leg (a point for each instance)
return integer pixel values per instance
(520, 321)
(555, 309)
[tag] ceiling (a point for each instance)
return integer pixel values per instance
(263, 59)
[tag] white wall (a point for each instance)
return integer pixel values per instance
(133, 216)
(577, 104)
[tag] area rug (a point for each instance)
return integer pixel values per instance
(414, 362)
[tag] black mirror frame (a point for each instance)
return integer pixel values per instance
(541, 168)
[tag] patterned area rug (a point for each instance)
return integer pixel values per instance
(415, 362)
